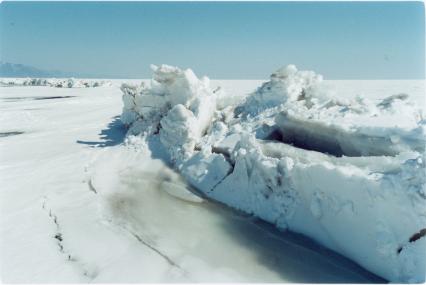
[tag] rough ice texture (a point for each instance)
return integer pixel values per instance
(349, 173)
(177, 105)
(53, 82)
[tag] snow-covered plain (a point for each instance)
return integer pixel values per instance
(77, 205)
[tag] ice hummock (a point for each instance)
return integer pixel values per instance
(54, 82)
(349, 173)
(177, 105)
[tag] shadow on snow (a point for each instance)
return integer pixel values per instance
(113, 135)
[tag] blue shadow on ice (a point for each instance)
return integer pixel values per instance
(113, 135)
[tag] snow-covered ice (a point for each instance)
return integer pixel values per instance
(348, 172)
(80, 204)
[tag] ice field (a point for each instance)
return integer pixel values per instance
(77, 205)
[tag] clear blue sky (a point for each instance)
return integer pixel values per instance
(235, 40)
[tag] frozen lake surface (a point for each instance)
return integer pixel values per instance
(61, 151)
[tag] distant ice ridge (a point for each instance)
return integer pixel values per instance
(53, 82)
(349, 173)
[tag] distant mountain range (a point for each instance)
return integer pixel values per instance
(20, 70)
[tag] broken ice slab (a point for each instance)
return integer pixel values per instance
(204, 172)
(338, 139)
(366, 208)
(346, 172)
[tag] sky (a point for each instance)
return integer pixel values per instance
(223, 40)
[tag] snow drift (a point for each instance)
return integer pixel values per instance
(349, 173)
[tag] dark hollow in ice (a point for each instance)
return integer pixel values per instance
(414, 237)
(305, 142)
(312, 135)
(418, 235)
(8, 134)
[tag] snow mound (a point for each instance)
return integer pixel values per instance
(53, 82)
(347, 172)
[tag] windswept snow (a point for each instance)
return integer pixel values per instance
(348, 172)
